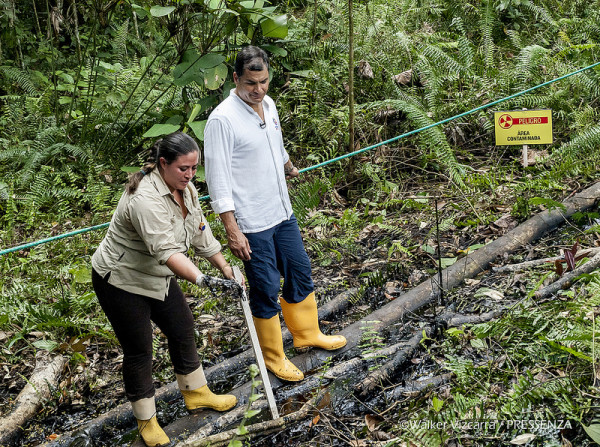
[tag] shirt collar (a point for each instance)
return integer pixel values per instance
(159, 182)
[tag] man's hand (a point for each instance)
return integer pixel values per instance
(290, 170)
(238, 244)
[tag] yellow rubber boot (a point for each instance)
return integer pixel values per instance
(197, 395)
(152, 434)
(271, 344)
(302, 319)
(203, 397)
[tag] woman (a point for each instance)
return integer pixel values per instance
(156, 221)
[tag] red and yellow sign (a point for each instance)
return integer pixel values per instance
(518, 127)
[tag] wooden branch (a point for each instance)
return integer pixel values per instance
(382, 374)
(535, 262)
(569, 278)
(260, 428)
(45, 377)
(412, 387)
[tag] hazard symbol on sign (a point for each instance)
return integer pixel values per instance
(505, 121)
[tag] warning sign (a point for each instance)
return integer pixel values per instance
(520, 127)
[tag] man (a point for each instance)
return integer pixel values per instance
(246, 170)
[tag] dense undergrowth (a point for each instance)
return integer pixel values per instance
(80, 101)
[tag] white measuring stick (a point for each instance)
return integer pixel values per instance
(237, 273)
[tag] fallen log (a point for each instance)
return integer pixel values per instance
(261, 428)
(390, 368)
(45, 377)
(412, 387)
(536, 262)
(569, 278)
(466, 267)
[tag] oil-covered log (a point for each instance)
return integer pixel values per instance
(45, 377)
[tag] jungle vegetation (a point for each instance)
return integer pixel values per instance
(86, 85)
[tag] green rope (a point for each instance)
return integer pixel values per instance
(333, 160)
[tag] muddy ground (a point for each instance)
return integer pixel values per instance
(94, 386)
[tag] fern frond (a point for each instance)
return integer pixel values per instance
(433, 138)
(120, 42)
(529, 62)
(21, 78)
(487, 24)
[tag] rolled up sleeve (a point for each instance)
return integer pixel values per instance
(218, 150)
(205, 244)
(153, 223)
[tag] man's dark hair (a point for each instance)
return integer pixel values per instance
(251, 58)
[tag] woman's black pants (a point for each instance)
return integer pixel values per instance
(131, 315)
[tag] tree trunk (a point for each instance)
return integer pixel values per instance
(350, 77)
(44, 378)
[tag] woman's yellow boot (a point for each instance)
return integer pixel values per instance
(152, 434)
(197, 395)
(271, 344)
(302, 319)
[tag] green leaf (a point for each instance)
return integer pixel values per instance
(114, 98)
(3, 190)
(47, 345)
(437, 404)
(254, 371)
(547, 203)
(130, 169)
(194, 113)
(141, 12)
(572, 351)
(274, 50)
(227, 87)
(200, 174)
(198, 129)
(428, 249)
(175, 119)
(210, 60)
(303, 73)
(81, 274)
(454, 332)
(235, 443)
(160, 129)
(275, 27)
(250, 413)
(241, 430)
(215, 77)
(160, 11)
(447, 262)
(65, 100)
(478, 343)
(187, 72)
(593, 431)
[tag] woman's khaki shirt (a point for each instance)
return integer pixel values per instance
(146, 229)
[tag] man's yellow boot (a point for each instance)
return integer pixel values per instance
(197, 395)
(271, 344)
(152, 434)
(302, 319)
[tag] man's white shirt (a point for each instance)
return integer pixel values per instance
(244, 160)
